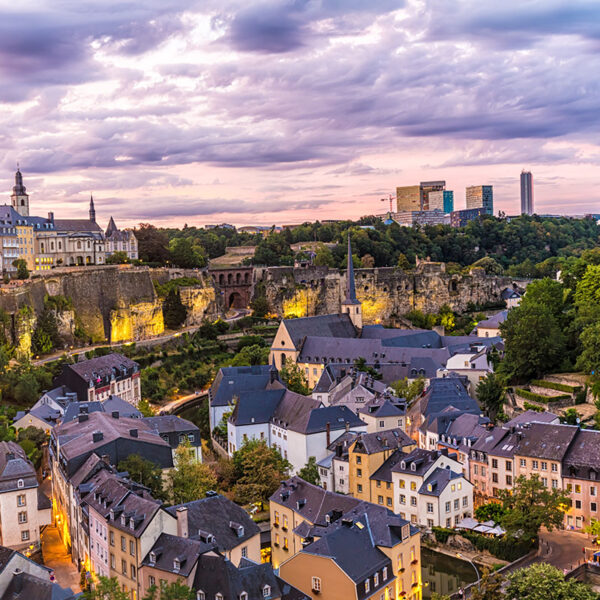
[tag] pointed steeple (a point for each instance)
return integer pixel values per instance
(112, 227)
(351, 305)
(19, 198)
(273, 373)
(19, 188)
(350, 282)
(92, 210)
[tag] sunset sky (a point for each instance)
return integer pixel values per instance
(256, 112)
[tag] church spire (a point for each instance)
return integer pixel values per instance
(351, 305)
(19, 198)
(92, 209)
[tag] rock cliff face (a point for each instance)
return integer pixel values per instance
(385, 292)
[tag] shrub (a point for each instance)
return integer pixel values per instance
(529, 406)
(539, 398)
(559, 387)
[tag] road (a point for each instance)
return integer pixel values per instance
(239, 314)
(171, 406)
(564, 549)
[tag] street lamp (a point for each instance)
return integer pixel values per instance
(473, 565)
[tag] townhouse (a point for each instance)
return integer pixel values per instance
(386, 412)
(222, 522)
(334, 470)
(340, 547)
(175, 431)
(24, 509)
(428, 487)
(367, 453)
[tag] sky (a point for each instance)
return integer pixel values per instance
(282, 111)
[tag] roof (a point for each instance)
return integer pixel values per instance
(294, 411)
(584, 453)
(500, 441)
(509, 292)
(437, 481)
(134, 513)
(78, 225)
(329, 326)
(232, 381)
(26, 587)
(215, 515)
(383, 407)
(379, 441)
(551, 442)
(257, 406)
(337, 417)
(494, 321)
(170, 424)
(443, 392)
(169, 548)
(44, 503)
(533, 416)
(112, 404)
(422, 460)
(102, 366)
(350, 283)
(14, 465)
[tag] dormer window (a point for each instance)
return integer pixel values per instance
(152, 558)
(413, 467)
(200, 595)
(20, 483)
(176, 565)
(219, 596)
(403, 465)
(123, 520)
(244, 596)
(266, 591)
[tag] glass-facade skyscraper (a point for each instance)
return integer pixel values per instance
(481, 196)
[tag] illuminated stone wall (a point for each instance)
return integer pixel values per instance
(136, 322)
(200, 303)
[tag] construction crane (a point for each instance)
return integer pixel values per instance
(390, 198)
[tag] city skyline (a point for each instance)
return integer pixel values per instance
(276, 112)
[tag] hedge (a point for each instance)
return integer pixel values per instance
(529, 406)
(539, 398)
(504, 548)
(559, 387)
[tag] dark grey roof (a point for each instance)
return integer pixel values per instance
(214, 515)
(441, 393)
(113, 403)
(422, 460)
(44, 503)
(5, 556)
(256, 406)
(508, 293)
(137, 510)
(494, 321)
(532, 416)
(43, 412)
(28, 587)
(332, 326)
(383, 407)
(170, 424)
(294, 412)
(350, 282)
(232, 381)
(78, 225)
(168, 548)
(14, 465)
(437, 481)
(583, 457)
(380, 441)
(541, 440)
(102, 366)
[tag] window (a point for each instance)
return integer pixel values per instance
(112, 538)
(577, 488)
(25, 535)
(359, 472)
(555, 483)
(476, 469)
(378, 483)
(23, 517)
(379, 499)
(456, 503)
(123, 544)
(20, 483)
(367, 585)
(569, 487)
(385, 573)
(593, 507)
(132, 571)
(124, 567)
(131, 548)
(534, 464)
(429, 507)
(276, 518)
(554, 468)
(244, 551)
(359, 488)
(413, 501)
(402, 499)
(381, 424)
(219, 596)
(413, 486)
(21, 500)
(523, 462)
(402, 484)
(244, 596)
(494, 463)
(358, 460)
(545, 481)
(152, 581)
(388, 501)
(509, 465)
(266, 591)
(592, 490)
(112, 561)
(495, 477)
(316, 584)
(509, 480)
(577, 503)
(447, 506)
(465, 500)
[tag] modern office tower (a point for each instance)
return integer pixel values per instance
(416, 197)
(526, 193)
(408, 198)
(427, 187)
(481, 196)
(459, 218)
(442, 200)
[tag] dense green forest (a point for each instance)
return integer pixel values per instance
(521, 247)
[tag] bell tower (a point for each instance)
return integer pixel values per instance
(350, 305)
(20, 198)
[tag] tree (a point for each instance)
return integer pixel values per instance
(153, 245)
(145, 408)
(310, 472)
(174, 310)
(260, 306)
(106, 589)
(45, 335)
(571, 417)
(492, 511)
(117, 258)
(531, 505)
(27, 389)
(22, 270)
(259, 470)
(534, 342)
(190, 479)
(324, 257)
(490, 393)
(185, 255)
(170, 591)
(488, 588)
(593, 528)
(145, 472)
(251, 355)
(489, 265)
(7, 431)
(589, 359)
(35, 434)
(542, 581)
(403, 388)
(294, 377)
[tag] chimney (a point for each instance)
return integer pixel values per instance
(83, 417)
(17, 581)
(182, 522)
(97, 436)
(51, 217)
(133, 432)
(328, 434)
(105, 458)
(115, 414)
(347, 425)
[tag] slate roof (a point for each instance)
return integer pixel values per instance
(43, 503)
(43, 412)
(438, 480)
(500, 441)
(170, 424)
(113, 403)
(383, 407)
(213, 515)
(423, 459)
(379, 441)
(232, 381)
(168, 547)
(532, 416)
(28, 587)
(509, 292)
(15, 465)
(256, 406)
(494, 321)
(329, 326)
(216, 575)
(443, 392)
(137, 509)
(544, 441)
(584, 454)
(315, 502)
(338, 417)
(294, 411)
(103, 366)
(78, 225)
(5, 555)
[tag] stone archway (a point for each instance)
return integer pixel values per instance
(235, 300)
